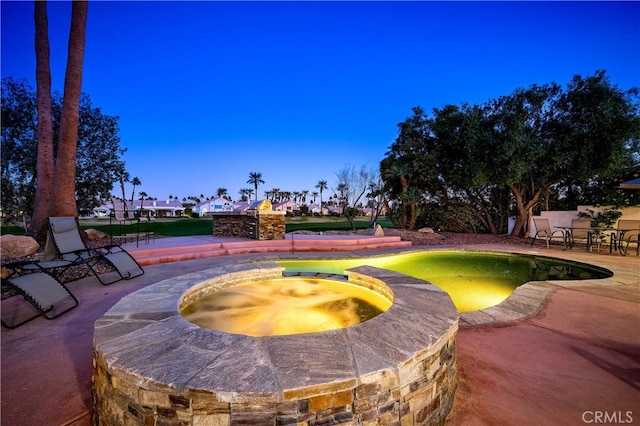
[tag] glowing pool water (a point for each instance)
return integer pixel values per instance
(474, 280)
(283, 306)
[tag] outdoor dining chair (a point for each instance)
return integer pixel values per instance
(628, 233)
(580, 231)
(544, 232)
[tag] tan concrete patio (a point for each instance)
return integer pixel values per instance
(577, 354)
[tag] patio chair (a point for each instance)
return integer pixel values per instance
(628, 233)
(544, 232)
(151, 222)
(49, 297)
(120, 219)
(140, 220)
(580, 231)
(64, 242)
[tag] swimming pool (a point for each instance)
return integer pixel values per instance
(473, 280)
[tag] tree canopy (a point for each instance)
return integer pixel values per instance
(512, 155)
(98, 159)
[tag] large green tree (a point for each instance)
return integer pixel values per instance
(18, 141)
(98, 160)
(534, 142)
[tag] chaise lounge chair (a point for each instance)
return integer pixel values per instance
(65, 243)
(45, 294)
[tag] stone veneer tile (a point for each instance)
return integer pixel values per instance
(211, 420)
(243, 369)
(368, 364)
(503, 314)
(336, 399)
(306, 356)
(524, 305)
(476, 317)
(109, 328)
(534, 292)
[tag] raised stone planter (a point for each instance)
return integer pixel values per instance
(258, 225)
(152, 367)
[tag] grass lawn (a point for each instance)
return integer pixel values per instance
(204, 226)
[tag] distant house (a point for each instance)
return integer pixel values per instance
(335, 210)
(240, 206)
(315, 209)
(216, 205)
(286, 206)
(167, 208)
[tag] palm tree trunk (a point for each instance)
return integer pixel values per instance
(44, 162)
(65, 168)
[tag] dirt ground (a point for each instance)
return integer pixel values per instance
(442, 238)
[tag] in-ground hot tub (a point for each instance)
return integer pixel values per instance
(152, 366)
(283, 306)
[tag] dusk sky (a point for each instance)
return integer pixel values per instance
(208, 92)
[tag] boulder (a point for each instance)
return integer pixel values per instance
(379, 232)
(94, 234)
(12, 246)
(426, 230)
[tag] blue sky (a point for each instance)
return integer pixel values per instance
(208, 92)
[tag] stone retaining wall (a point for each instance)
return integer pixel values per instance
(152, 367)
(263, 225)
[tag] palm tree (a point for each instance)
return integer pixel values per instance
(342, 187)
(56, 185)
(64, 179)
(245, 193)
(255, 178)
(305, 192)
(273, 194)
(322, 185)
(221, 192)
(44, 164)
(142, 194)
(314, 194)
(135, 182)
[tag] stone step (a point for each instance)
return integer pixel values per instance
(154, 256)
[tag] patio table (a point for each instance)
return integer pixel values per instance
(595, 235)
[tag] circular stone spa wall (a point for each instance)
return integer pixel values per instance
(153, 367)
